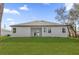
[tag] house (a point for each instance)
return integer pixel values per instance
(39, 28)
(5, 32)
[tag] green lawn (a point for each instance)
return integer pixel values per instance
(39, 46)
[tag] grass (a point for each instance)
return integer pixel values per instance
(39, 46)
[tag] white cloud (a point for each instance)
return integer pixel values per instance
(10, 22)
(25, 8)
(11, 11)
(68, 6)
(9, 19)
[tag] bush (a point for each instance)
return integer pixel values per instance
(8, 35)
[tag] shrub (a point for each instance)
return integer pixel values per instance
(8, 35)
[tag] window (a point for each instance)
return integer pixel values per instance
(63, 30)
(49, 30)
(44, 29)
(14, 30)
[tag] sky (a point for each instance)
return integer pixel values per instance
(15, 13)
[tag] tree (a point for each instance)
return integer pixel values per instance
(62, 16)
(69, 18)
(1, 11)
(74, 16)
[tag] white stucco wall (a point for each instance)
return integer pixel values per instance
(22, 32)
(26, 32)
(55, 32)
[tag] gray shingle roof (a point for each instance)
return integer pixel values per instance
(37, 23)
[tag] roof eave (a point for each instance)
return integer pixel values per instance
(37, 25)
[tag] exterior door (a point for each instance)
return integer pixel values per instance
(36, 32)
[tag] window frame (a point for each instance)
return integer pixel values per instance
(49, 30)
(45, 29)
(63, 30)
(14, 30)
